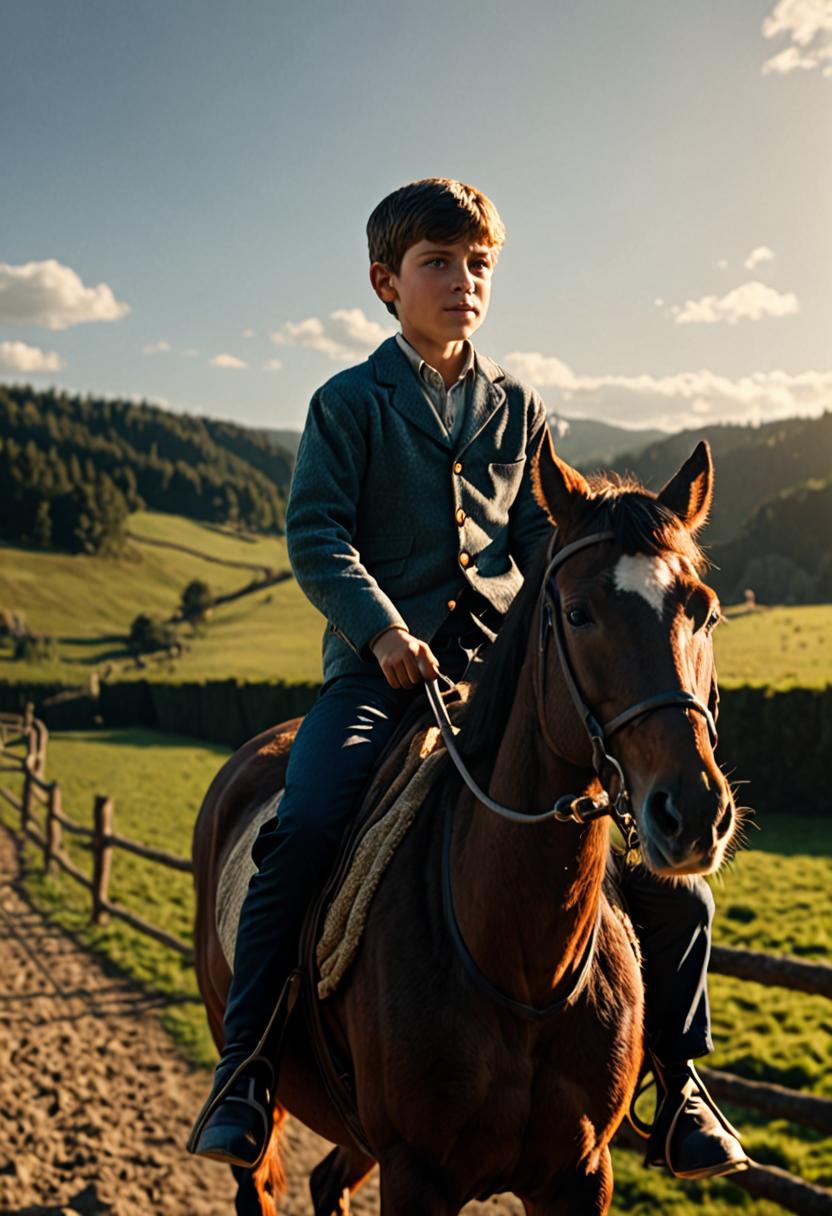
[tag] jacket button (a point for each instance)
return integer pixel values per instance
(451, 605)
(464, 559)
(457, 468)
(460, 517)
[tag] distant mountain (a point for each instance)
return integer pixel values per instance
(783, 553)
(753, 464)
(287, 440)
(593, 445)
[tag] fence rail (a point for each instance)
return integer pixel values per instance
(775, 1101)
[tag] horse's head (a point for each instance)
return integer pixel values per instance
(635, 621)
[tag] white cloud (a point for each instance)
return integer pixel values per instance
(48, 293)
(758, 255)
(249, 333)
(679, 399)
(272, 365)
(227, 361)
(349, 334)
(18, 357)
(722, 264)
(749, 302)
(190, 352)
(808, 25)
(156, 348)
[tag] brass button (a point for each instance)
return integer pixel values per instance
(464, 559)
(451, 605)
(457, 468)
(460, 517)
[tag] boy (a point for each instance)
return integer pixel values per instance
(410, 524)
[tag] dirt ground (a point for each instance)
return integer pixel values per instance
(95, 1102)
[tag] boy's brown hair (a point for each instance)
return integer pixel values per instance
(435, 209)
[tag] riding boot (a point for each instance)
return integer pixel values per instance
(690, 1135)
(235, 1122)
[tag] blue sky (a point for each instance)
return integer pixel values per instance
(186, 182)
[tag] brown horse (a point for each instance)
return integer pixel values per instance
(463, 1084)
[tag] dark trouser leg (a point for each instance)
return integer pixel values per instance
(690, 1135)
(337, 744)
(673, 922)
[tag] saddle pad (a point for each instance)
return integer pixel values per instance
(384, 831)
(235, 876)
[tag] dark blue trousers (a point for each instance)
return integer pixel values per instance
(332, 758)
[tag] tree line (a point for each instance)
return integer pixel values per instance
(72, 468)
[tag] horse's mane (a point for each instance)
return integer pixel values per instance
(640, 524)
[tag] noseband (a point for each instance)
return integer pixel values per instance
(614, 799)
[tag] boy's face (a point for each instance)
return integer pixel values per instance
(441, 292)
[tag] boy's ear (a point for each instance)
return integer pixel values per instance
(382, 282)
(558, 488)
(689, 493)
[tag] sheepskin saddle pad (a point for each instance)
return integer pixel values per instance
(394, 798)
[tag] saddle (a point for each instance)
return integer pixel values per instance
(335, 918)
(415, 734)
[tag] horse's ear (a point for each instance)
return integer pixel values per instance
(690, 492)
(557, 486)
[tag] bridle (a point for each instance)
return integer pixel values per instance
(614, 799)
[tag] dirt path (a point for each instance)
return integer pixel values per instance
(95, 1103)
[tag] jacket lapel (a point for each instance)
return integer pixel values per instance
(391, 368)
(487, 397)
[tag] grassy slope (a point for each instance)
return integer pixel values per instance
(89, 603)
(773, 897)
(777, 647)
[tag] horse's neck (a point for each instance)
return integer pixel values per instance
(526, 896)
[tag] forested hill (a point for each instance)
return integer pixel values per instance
(753, 465)
(783, 552)
(72, 467)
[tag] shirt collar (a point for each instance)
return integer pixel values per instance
(420, 365)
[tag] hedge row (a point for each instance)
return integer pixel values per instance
(779, 741)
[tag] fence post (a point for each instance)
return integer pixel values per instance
(52, 844)
(28, 716)
(102, 857)
(28, 792)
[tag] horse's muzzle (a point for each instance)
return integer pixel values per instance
(685, 834)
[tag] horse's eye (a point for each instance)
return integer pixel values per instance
(713, 619)
(577, 617)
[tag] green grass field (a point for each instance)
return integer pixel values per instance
(774, 896)
(87, 604)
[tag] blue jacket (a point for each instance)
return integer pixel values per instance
(388, 520)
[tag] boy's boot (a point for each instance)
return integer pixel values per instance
(235, 1124)
(690, 1134)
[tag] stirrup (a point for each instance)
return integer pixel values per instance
(282, 1012)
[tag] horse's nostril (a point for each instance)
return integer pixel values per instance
(663, 814)
(723, 824)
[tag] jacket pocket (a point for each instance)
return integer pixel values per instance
(386, 556)
(505, 478)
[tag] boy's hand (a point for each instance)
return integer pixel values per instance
(404, 660)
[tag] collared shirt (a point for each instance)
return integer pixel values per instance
(448, 404)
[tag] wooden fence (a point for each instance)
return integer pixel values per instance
(23, 741)
(43, 820)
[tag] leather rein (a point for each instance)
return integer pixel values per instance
(614, 799)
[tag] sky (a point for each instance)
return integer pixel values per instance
(186, 185)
